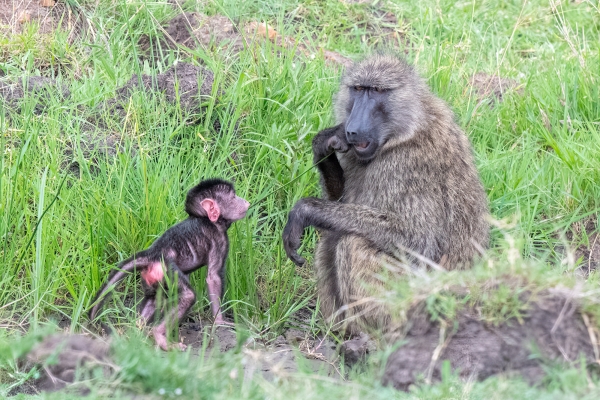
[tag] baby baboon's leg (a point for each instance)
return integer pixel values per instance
(148, 305)
(148, 308)
(186, 299)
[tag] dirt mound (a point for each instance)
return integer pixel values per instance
(94, 148)
(184, 84)
(553, 329)
(193, 30)
(11, 93)
(492, 87)
(49, 14)
(59, 356)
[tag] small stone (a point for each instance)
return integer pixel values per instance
(357, 348)
(24, 17)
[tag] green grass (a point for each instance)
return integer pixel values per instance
(538, 153)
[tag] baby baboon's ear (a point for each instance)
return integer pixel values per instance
(212, 209)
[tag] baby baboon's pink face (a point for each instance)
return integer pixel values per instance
(234, 207)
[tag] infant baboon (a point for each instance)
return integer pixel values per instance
(200, 240)
(399, 183)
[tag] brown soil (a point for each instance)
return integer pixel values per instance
(589, 254)
(382, 29)
(583, 242)
(492, 87)
(51, 15)
(95, 147)
(11, 93)
(193, 30)
(553, 330)
(59, 356)
(62, 359)
(184, 84)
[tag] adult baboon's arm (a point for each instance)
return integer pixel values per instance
(325, 144)
(377, 226)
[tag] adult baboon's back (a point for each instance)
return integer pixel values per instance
(401, 183)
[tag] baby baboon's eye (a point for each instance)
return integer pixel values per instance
(358, 88)
(378, 89)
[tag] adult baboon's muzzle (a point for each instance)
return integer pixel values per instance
(359, 123)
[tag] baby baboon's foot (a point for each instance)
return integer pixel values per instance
(160, 338)
(179, 346)
(220, 321)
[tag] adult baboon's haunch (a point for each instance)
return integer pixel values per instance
(398, 180)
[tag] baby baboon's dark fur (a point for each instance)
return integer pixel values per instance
(200, 240)
(399, 183)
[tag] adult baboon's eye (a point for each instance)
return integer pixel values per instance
(358, 88)
(378, 89)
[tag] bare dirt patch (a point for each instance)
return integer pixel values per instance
(552, 330)
(62, 359)
(12, 93)
(184, 84)
(16, 15)
(193, 30)
(583, 241)
(492, 88)
(278, 357)
(383, 29)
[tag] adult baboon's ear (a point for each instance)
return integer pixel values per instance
(212, 209)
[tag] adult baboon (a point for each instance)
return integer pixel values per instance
(399, 183)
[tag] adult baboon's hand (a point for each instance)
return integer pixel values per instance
(292, 235)
(329, 140)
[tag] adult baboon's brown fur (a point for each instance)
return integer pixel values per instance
(401, 185)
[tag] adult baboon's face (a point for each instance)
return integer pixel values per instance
(380, 100)
(366, 119)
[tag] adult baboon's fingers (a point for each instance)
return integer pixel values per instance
(297, 259)
(291, 244)
(338, 144)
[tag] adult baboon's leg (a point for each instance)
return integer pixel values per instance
(327, 276)
(360, 272)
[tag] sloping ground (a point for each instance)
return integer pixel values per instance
(64, 360)
(553, 329)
